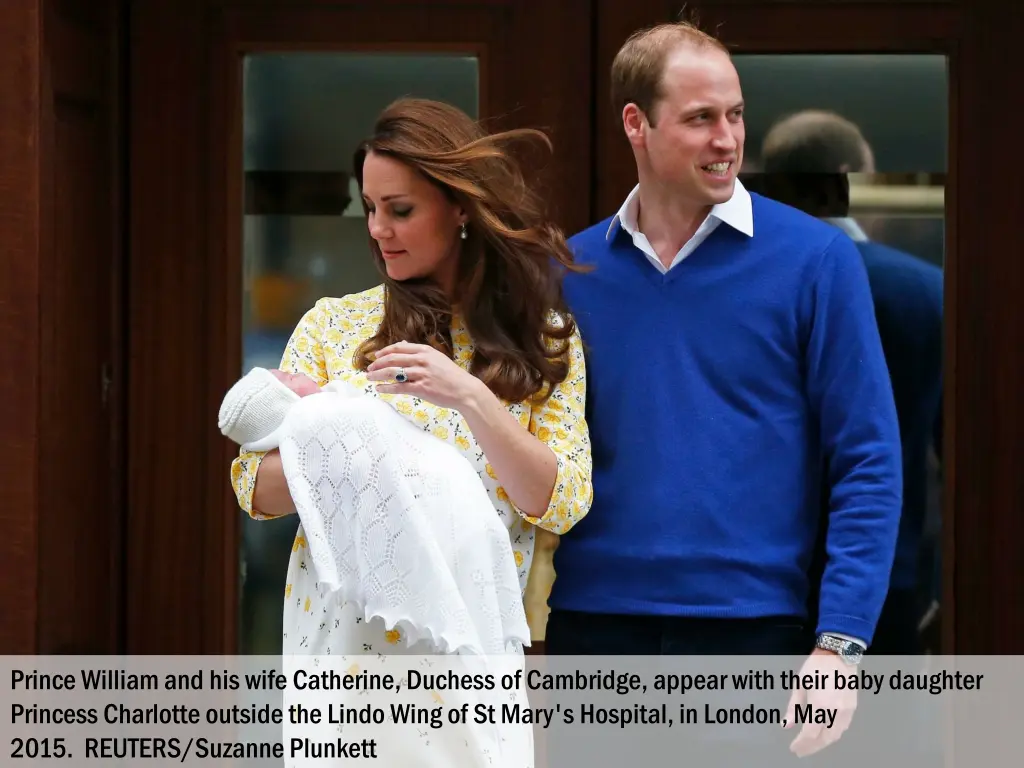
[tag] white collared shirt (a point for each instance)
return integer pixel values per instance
(737, 212)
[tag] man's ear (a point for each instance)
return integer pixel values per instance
(635, 124)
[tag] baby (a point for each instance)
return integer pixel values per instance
(256, 406)
(454, 578)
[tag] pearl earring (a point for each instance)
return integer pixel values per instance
(464, 234)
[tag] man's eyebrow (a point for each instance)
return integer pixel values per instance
(696, 110)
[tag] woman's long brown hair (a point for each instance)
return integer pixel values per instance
(509, 276)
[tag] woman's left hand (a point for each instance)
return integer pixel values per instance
(430, 375)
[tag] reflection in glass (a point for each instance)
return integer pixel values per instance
(304, 232)
(860, 141)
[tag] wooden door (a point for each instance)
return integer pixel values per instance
(982, 590)
(60, 327)
(187, 270)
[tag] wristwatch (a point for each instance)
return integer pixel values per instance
(847, 650)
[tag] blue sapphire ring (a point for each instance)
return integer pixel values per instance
(401, 377)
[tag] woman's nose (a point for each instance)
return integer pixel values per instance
(377, 229)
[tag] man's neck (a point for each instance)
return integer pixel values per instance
(666, 222)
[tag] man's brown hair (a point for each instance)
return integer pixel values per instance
(639, 65)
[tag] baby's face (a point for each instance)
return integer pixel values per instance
(298, 383)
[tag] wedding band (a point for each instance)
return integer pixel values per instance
(401, 376)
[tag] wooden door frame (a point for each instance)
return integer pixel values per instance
(983, 495)
(183, 525)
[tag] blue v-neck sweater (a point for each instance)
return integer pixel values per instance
(724, 398)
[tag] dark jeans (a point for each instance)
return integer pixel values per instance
(575, 633)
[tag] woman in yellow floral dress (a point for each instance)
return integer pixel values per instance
(468, 337)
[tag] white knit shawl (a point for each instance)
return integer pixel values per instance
(398, 522)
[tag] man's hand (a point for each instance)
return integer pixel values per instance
(814, 737)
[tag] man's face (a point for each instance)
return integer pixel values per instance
(695, 147)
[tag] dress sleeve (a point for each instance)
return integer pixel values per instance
(561, 424)
(303, 354)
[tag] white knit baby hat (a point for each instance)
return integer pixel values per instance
(254, 408)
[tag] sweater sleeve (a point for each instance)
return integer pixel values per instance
(303, 354)
(560, 423)
(850, 393)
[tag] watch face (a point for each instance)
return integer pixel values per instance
(852, 651)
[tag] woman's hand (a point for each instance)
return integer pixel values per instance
(429, 375)
(526, 468)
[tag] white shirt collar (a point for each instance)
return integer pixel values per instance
(737, 212)
(850, 227)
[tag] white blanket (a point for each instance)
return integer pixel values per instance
(398, 522)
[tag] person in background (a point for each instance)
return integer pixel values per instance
(732, 354)
(806, 159)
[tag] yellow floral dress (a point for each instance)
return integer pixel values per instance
(322, 347)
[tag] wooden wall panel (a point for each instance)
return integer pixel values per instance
(984, 289)
(170, 429)
(20, 63)
(62, 511)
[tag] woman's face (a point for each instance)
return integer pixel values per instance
(415, 225)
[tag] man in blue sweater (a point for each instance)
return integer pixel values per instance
(733, 356)
(806, 158)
